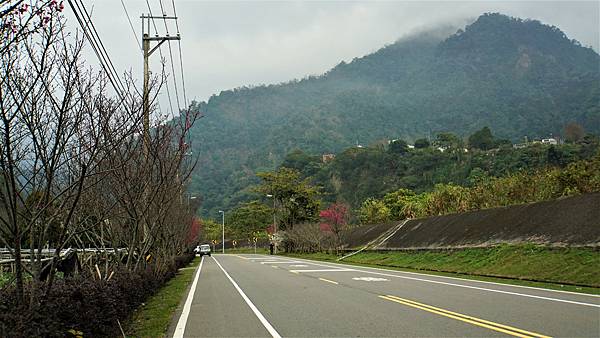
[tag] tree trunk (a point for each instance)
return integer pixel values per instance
(18, 267)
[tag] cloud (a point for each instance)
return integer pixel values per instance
(231, 44)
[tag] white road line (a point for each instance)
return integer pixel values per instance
(180, 328)
(265, 259)
(469, 287)
(329, 281)
(465, 280)
(324, 270)
(280, 262)
(259, 315)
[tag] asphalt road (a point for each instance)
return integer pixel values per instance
(258, 296)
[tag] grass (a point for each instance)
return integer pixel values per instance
(153, 318)
(5, 277)
(245, 251)
(531, 265)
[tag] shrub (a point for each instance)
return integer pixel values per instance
(84, 303)
(487, 192)
(307, 237)
(374, 211)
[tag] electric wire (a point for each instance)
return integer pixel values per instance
(171, 56)
(94, 45)
(161, 56)
(114, 80)
(135, 36)
(101, 44)
(185, 101)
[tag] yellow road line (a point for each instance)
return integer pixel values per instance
(512, 331)
(328, 281)
(274, 267)
(242, 257)
(474, 318)
(296, 272)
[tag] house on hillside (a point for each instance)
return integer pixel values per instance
(327, 157)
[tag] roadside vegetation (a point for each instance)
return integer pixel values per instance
(93, 212)
(318, 234)
(530, 263)
(486, 192)
(261, 250)
(302, 208)
(153, 317)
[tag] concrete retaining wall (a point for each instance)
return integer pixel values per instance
(572, 221)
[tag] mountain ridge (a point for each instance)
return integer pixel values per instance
(519, 77)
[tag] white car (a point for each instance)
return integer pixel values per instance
(202, 250)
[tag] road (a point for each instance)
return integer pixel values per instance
(259, 296)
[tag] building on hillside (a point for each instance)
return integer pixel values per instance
(549, 141)
(410, 146)
(327, 157)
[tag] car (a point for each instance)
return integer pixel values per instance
(202, 250)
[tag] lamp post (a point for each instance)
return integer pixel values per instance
(223, 213)
(274, 224)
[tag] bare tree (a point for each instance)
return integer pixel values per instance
(73, 168)
(54, 119)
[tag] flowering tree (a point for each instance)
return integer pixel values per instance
(194, 231)
(335, 220)
(19, 19)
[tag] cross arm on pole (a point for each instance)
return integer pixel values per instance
(160, 40)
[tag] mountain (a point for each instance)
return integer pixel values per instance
(519, 77)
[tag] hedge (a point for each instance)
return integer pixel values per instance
(82, 305)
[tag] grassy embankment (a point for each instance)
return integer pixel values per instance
(556, 268)
(261, 251)
(152, 319)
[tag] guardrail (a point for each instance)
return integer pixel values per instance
(7, 260)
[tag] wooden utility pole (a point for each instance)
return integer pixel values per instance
(146, 40)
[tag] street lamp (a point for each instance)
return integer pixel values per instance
(223, 212)
(274, 224)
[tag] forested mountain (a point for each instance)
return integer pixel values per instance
(357, 174)
(520, 77)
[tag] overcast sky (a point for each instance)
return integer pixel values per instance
(231, 44)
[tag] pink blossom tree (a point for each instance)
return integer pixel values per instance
(335, 220)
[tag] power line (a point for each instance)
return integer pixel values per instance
(180, 56)
(171, 56)
(161, 56)
(103, 49)
(96, 45)
(93, 44)
(135, 36)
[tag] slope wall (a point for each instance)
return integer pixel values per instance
(572, 221)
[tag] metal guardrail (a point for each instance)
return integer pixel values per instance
(7, 258)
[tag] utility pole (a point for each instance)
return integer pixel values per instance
(223, 239)
(146, 40)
